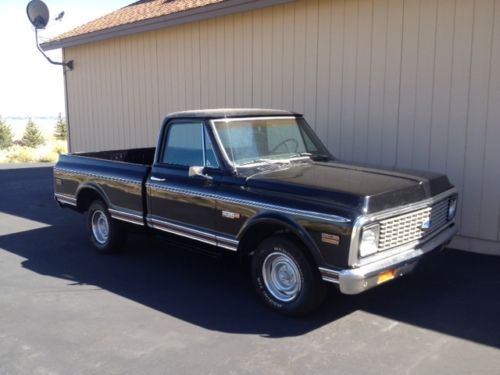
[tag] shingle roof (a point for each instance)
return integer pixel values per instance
(138, 11)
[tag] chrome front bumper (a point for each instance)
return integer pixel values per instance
(357, 280)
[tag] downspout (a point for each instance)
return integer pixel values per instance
(66, 105)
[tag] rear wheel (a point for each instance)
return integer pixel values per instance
(285, 278)
(107, 235)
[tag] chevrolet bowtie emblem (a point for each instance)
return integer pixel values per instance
(426, 224)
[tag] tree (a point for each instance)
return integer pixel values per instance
(6, 136)
(32, 136)
(61, 129)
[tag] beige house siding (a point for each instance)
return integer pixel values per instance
(408, 83)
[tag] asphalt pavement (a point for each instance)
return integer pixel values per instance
(158, 308)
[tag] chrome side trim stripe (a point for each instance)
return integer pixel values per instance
(169, 224)
(328, 275)
(65, 199)
(194, 234)
(227, 243)
(245, 202)
(126, 216)
(182, 231)
(102, 177)
(228, 240)
(228, 247)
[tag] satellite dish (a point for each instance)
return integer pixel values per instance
(38, 14)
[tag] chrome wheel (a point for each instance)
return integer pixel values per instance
(281, 276)
(100, 227)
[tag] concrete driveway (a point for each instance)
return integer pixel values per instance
(159, 309)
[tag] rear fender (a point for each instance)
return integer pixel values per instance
(95, 188)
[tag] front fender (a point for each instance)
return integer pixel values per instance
(274, 218)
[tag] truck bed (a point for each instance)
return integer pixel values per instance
(118, 176)
(142, 156)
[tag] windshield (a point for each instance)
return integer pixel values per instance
(253, 141)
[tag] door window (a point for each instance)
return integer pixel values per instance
(188, 144)
(210, 158)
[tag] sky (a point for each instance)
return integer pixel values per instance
(29, 84)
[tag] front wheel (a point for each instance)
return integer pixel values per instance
(285, 278)
(106, 234)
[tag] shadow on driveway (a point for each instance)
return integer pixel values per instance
(457, 293)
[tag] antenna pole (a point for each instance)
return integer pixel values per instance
(68, 64)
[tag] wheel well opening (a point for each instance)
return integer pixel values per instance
(85, 199)
(258, 233)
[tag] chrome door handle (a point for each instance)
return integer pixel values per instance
(153, 178)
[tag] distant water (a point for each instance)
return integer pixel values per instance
(18, 124)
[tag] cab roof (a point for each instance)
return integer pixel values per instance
(232, 113)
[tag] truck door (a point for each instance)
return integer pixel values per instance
(179, 203)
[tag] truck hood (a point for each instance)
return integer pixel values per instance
(356, 186)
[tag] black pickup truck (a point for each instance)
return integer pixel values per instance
(260, 183)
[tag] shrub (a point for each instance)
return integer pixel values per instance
(4, 156)
(61, 129)
(32, 135)
(21, 155)
(51, 157)
(60, 147)
(6, 136)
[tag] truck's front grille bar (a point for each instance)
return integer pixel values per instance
(398, 230)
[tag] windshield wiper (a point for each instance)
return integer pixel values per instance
(267, 161)
(315, 157)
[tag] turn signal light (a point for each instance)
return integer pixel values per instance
(386, 276)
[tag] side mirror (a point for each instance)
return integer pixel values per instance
(198, 171)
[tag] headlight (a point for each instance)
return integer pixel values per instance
(452, 208)
(369, 240)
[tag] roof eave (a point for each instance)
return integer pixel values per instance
(192, 15)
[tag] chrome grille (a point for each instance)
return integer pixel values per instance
(398, 230)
